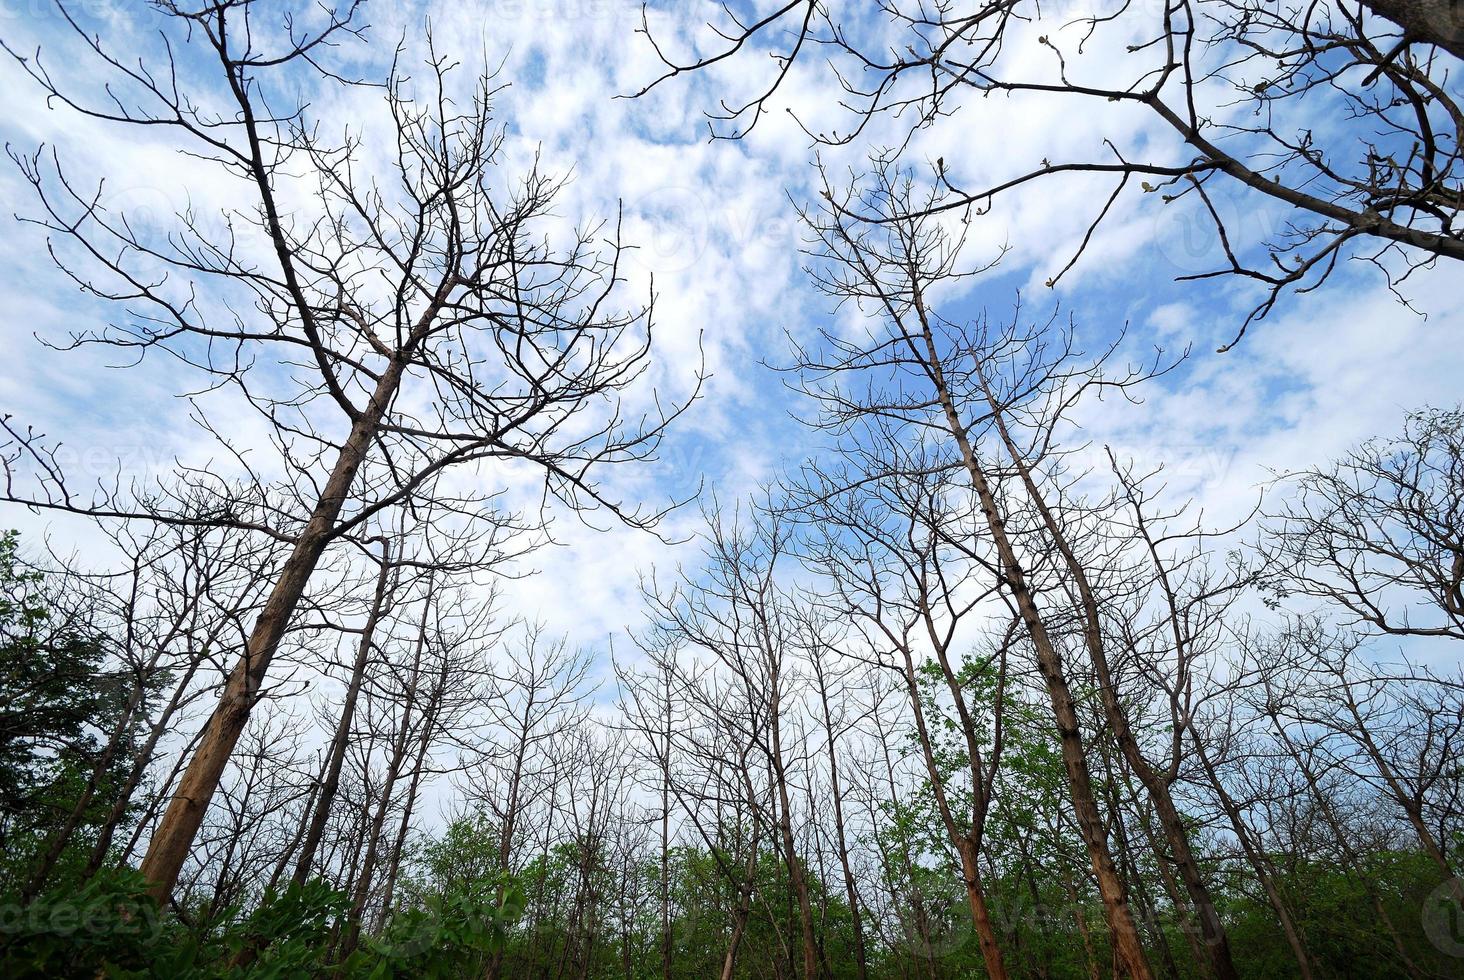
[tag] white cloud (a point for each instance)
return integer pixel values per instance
(715, 230)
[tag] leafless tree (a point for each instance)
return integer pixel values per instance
(831, 687)
(518, 760)
(738, 617)
(172, 599)
(1379, 534)
(957, 386)
(1237, 89)
(429, 322)
(882, 540)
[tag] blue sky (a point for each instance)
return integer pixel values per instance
(717, 234)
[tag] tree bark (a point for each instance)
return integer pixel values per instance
(173, 838)
(1129, 952)
(337, 755)
(1437, 22)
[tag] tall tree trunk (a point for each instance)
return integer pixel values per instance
(362, 892)
(509, 822)
(174, 836)
(288, 854)
(1138, 886)
(156, 801)
(742, 911)
(1217, 942)
(409, 804)
(336, 756)
(919, 919)
(980, 914)
(851, 889)
(963, 840)
(1128, 950)
(1081, 921)
(665, 883)
(1043, 968)
(796, 875)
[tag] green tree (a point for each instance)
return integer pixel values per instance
(59, 703)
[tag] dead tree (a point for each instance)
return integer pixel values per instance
(535, 699)
(430, 323)
(882, 541)
(834, 714)
(737, 615)
(1378, 536)
(918, 373)
(1383, 185)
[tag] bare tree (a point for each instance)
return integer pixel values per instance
(737, 615)
(1382, 186)
(1379, 534)
(833, 707)
(915, 372)
(516, 764)
(438, 327)
(177, 595)
(882, 540)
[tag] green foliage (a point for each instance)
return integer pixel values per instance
(111, 927)
(1337, 914)
(449, 935)
(59, 702)
(456, 914)
(286, 935)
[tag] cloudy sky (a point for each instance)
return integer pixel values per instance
(715, 231)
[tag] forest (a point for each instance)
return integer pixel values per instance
(960, 688)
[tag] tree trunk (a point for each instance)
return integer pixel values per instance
(962, 840)
(409, 805)
(1129, 952)
(741, 912)
(666, 835)
(980, 915)
(1081, 921)
(840, 839)
(362, 891)
(1216, 940)
(337, 755)
(796, 874)
(506, 829)
(173, 838)
(1043, 968)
